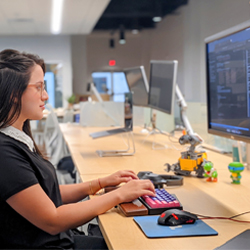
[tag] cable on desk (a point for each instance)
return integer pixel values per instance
(240, 214)
(207, 217)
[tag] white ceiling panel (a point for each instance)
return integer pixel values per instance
(41, 13)
(96, 9)
(75, 10)
(33, 17)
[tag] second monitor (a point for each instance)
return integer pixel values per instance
(138, 85)
(162, 84)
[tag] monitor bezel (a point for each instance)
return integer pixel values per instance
(144, 78)
(172, 62)
(220, 35)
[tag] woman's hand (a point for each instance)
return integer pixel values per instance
(118, 178)
(134, 189)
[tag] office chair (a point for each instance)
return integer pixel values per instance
(56, 147)
(37, 131)
(68, 116)
(42, 130)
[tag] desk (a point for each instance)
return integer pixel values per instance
(196, 195)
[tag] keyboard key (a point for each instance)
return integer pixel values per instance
(162, 201)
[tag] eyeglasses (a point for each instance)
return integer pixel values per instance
(39, 86)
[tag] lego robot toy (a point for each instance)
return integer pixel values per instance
(190, 160)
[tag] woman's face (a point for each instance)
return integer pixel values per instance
(34, 97)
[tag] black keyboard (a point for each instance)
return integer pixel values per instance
(161, 202)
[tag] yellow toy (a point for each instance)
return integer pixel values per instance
(190, 160)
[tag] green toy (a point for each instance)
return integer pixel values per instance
(210, 172)
(235, 168)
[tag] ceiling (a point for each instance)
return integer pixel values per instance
(33, 17)
(136, 14)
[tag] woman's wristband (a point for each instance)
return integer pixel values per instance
(99, 183)
(91, 187)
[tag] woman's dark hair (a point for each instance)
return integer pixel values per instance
(15, 73)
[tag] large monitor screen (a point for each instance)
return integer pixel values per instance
(138, 85)
(162, 83)
(228, 83)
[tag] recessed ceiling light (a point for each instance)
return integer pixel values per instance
(135, 31)
(157, 19)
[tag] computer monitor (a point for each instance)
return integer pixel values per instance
(138, 85)
(128, 119)
(228, 83)
(162, 84)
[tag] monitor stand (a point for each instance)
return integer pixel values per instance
(145, 130)
(183, 106)
(128, 151)
(155, 131)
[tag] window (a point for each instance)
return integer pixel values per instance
(113, 83)
(53, 82)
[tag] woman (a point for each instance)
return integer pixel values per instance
(35, 211)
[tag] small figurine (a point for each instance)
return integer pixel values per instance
(210, 171)
(235, 168)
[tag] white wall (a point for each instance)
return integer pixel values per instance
(131, 54)
(53, 49)
(167, 43)
(79, 63)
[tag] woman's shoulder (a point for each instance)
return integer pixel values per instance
(18, 136)
(5, 140)
(9, 145)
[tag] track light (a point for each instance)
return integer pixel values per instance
(135, 25)
(158, 11)
(111, 43)
(122, 35)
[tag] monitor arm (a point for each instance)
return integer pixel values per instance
(183, 105)
(95, 91)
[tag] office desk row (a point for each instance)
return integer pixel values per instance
(196, 195)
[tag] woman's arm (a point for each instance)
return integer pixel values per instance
(71, 193)
(34, 205)
(76, 192)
